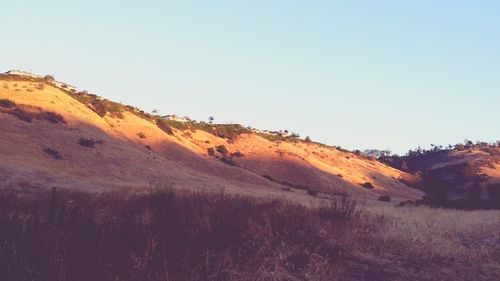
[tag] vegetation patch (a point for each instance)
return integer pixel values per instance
(385, 198)
(28, 113)
(312, 192)
(164, 126)
(222, 149)
(228, 161)
(54, 153)
(367, 185)
(88, 142)
(111, 237)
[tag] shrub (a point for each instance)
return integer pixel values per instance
(27, 113)
(268, 177)
(55, 154)
(237, 154)
(22, 115)
(141, 135)
(222, 149)
(53, 117)
(211, 151)
(228, 161)
(312, 192)
(367, 185)
(339, 208)
(385, 198)
(7, 103)
(89, 142)
(163, 125)
(49, 78)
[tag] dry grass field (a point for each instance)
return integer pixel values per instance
(164, 235)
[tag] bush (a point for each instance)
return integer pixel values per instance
(7, 103)
(163, 125)
(49, 78)
(27, 113)
(222, 149)
(89, 142)
(368, 185)
(228, 161)
(339, 208)
(385, 198)
(312, 192)
(53, 117)
(55, 154)
(211, 151)
(141, 135)
(237, 154)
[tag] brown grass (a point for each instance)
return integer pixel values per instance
(164, 235)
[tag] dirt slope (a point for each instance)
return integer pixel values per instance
(130, 152)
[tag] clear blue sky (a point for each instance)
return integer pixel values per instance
(359, 74)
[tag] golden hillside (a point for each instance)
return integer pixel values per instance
(51, 136)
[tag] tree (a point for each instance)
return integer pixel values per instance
(308, 139)
(154, 111)
(211, 119)
(49, 78)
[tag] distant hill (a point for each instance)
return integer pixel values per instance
(55, 135)
(467, 173)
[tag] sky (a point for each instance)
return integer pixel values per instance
(357, 74)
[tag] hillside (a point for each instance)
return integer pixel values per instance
(55, 135)
(468, 172)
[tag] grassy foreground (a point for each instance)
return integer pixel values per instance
(164, 235)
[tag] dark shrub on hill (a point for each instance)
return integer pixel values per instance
(27, 113)
(237, 154)
(54, 153)
(89, 142)
(49, 78)
(163, 125)
(385, 198)
(222, 149)
(268, 177)
(22, 115)
(367, 185)
(211, 151)
(312, 192)
(228, 161)
(7, 103)
(53, 117)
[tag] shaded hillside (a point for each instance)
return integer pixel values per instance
(58, 136)
(468, 172)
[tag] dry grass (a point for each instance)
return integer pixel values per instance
(439, 243)
(164, 235)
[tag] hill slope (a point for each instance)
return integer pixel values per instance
(53, 136)
(469, 173)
